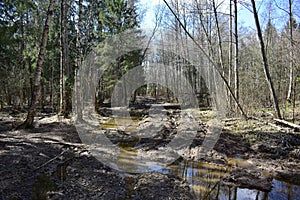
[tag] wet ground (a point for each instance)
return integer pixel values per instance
(207, 182)
(249, 161)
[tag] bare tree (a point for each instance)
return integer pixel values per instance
(236, 53)
(291, 81)
(265, 61)
(215, 66)
(37, 77)
(219, 37)
(230, 44)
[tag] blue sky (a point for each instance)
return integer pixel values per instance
(245, 18)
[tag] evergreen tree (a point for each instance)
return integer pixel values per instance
(116, 17)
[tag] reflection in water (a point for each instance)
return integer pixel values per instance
(126, 160)
(204, 179)
(283, 190)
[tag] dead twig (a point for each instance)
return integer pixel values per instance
(51, 160)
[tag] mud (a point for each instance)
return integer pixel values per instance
(50, 162)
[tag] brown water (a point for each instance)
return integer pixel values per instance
(204, 179)
(129, 124)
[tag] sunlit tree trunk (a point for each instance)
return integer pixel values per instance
(37, 77)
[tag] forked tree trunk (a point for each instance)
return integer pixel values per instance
(265, 61)
(37, 77)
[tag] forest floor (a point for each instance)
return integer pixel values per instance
(51, 162)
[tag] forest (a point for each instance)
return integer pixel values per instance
(136, 99)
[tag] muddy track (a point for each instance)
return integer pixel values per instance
(51, 162)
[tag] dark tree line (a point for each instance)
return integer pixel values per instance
(40, 57)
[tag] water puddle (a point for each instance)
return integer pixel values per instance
(131, 124)
(204, 178)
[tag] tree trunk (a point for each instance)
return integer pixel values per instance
(37, 77)
(63, 58)
(265, 61)
(236, 53)
(52, 87)
(22, 65)
(67, 66)
(219, 38)
(290, 89)
(30, 77)
(42, 97)
(78, 61)
(230, 52)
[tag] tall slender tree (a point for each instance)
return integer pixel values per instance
(265, 61)
(230, 45)
(236, 52)
(63, 56)
(79, 63)
(291, 80)
(37, 77)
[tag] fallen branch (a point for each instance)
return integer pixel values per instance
(296, 127)
(68, 144)
(278, 127)
(51, 160)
